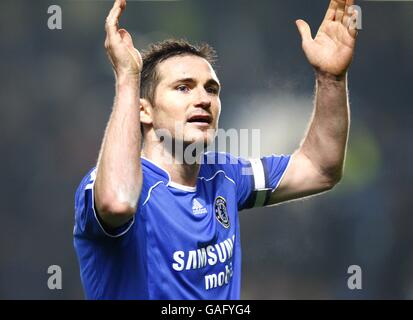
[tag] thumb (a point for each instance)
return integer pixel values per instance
(126, 37)
(304, 30)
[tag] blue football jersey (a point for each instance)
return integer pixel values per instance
(183, 242)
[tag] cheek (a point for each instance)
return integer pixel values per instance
(168, 115)
(217, 111)
(174, 106)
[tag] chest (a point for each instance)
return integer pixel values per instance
(192, 219)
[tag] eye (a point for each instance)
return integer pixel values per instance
(212, 90)
(182, 88)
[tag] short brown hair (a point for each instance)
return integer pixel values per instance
(163, 50)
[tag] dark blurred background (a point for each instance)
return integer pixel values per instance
(57, 88)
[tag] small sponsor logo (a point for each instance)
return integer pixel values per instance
(198, 208)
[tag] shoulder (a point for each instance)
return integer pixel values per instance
(223, 160)
(85, 184)
(153, 177)
(222, 163)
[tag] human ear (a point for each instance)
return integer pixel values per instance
(145, 108)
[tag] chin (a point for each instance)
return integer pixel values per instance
(197, 141)
(199, 138)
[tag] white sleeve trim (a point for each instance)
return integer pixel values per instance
(258, 172)
(91, 180)
(181, 187)
(215, 174)
(285, 171)
(150, 191)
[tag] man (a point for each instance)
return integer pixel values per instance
(150, 228)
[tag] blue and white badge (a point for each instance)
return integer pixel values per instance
(221, 211)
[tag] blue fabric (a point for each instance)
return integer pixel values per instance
(180, 245)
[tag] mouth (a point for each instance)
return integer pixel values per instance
(200, 119)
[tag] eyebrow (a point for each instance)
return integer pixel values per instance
(192, 80)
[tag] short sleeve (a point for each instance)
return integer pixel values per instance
(274, 169)
(266, 175)
(87, 222)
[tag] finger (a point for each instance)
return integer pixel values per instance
(349, 3)
(341, 6)
(348, 12)
(127, 38)
(347, 20)
(331, 11)
(112, 20)
(304, 29)
(352, 27)
(118, 4)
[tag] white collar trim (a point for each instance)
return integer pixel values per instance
(181, 187)
(170, 182)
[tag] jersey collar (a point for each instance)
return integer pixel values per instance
(157, 169)
(166, 178)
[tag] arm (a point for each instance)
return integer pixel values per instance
(318, 163)
(119, 177)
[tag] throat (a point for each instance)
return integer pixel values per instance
(185, 174)
(181, 170)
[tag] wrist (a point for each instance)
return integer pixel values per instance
(322, 76)
(127, 87)
(128, 79)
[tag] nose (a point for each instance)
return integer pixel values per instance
(203, 99)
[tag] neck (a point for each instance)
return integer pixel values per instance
(180, 171)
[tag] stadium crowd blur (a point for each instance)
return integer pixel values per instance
(57, 90)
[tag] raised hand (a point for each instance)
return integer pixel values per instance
(331, 51)
(125, 58)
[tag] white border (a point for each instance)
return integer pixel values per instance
(181, 187)
(219, 171)
(285, 171)
(258, 171)
(170, 182)
(150, 191)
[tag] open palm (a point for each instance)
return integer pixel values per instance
(124, 57)
(331, 51)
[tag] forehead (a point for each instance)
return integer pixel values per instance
(186, 66)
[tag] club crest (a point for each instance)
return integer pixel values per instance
(221, 212)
